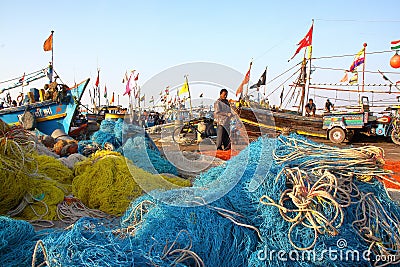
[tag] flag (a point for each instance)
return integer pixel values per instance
(358, 60)
(354, 79)
(306, 41)
(125, 79)
(245, 80)
(395, 45)
(22, 79)
(137, 77)
(383, 76)
(142, 98)
(127, 87)
(345, 78)
(167, 90)
(97, 79)
(48, 44)
(201, 95)
(261, 81)
(105, 91)
(152, 99)
(185, 87)
(112, 99)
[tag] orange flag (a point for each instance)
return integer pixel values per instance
(48, 44)
(345, 78)
(112, 99)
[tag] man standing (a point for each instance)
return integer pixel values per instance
(222, 115)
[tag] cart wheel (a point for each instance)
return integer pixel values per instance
(395, 136)
(337, 135)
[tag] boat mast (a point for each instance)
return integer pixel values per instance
(363, 70)
(307, 78)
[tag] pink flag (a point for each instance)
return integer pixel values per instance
(127, 88)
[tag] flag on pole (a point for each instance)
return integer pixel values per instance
(354, 79)
(185, 87)
(136, 77)
(48, 44)
(142, 98)
(152, 99)
(261, 81)
(358, 60)
(105, 91)
(127, 87)
(345, 78)
(22, 79)
(245, 81)
(306, 41)
(125, 79)
(167, 90)
(395, 45)
(201, 95)
(112, 99)
(97, 79)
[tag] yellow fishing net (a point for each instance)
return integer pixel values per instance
(109, 182)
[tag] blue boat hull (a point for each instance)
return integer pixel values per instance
(49, 115)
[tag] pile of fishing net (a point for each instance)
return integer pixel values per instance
(17, 242)
(131, 141)
(109, 182)
(32, 184)
(277, 195)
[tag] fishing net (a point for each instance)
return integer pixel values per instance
(109, 182)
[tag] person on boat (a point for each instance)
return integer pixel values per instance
(1, 105)
(222, 117)
(14, 103)
(329, 105)
(311, 108)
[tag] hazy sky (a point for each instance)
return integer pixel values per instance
(152, 36)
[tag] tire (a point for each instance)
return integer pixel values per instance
(395, 136)
(337, 135)
(184, 135)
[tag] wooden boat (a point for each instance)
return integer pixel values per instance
(260, 121)
(49, 115)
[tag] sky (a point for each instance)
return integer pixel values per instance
(154, 36)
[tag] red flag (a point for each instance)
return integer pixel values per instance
(48, 44)
(98, 78)
(137, 77)
(22, 78)
(306, 41)
(105, 91)
(245, 80)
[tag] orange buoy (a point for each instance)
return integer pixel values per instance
(395, 61)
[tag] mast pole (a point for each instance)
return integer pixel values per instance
(190, 98)
(363, 70)
(308, 77)
(52, 54)
(265, 86)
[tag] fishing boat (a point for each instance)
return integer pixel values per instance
(344, 122)
(49, 114)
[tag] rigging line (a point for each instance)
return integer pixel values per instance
(268, 50)
(285, 72)
(35, 72)
(352, 55)
(283, 83)
(355, 20)
(368, 71)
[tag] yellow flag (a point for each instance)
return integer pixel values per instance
(354, 79)
(185, 88)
